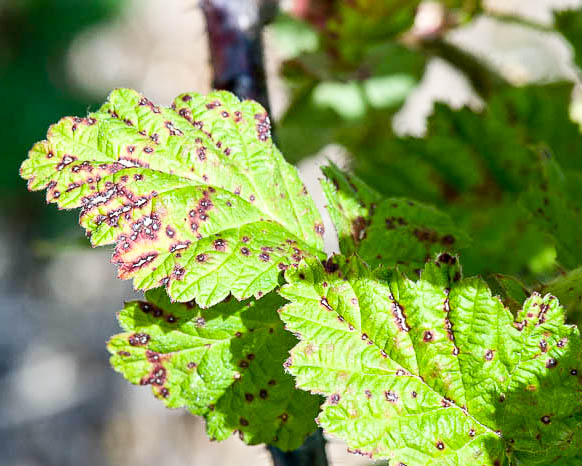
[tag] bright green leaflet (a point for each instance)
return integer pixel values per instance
(386, 231)
(435, 371)
(195, 197)
(224, 363)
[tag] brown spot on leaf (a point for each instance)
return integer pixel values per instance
(139, 339)
(551, 363)
(325, 304)
(391, 396)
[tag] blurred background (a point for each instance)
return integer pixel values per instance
(60, 403)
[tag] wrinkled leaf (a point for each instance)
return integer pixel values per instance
(223, 363)
(195, 197)
(435, 371)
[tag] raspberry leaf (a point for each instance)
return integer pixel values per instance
(195, 197)
(223, 363)
(435, 371)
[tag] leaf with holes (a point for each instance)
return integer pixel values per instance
(435, 371)
(195, 197)
(386, 231)
(224, 363)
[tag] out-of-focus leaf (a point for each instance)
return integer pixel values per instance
(569, 23)
(223, 363)
(554, 199)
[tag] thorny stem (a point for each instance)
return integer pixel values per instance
(236, 54)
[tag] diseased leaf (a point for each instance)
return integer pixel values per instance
(223, 363)
(195, 197)
(435, 371)
(386, 231)
(568, 289)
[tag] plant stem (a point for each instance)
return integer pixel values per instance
(311, 453)
(236, 54)
(236, 46)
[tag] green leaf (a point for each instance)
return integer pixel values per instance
(569, 23)
(475, 166)
(568, 289)
(555, 200)
(223, 363)
(386, 231)
(435, 371)
(195, 197)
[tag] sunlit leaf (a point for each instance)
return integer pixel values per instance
(195, 197)
(435, 371)
(223, 363)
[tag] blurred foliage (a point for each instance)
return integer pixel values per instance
(34, 88)
(508, 174)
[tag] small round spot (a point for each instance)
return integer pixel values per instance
(284, 417)
(245, 251)
(334, 399)
(489, 355)
(272, 382)
(440, 445)
(427, 336)
(249, 397)
(243, 422)
(201, 257)
(573, 372)
(551, 363)
(243, 363)
(250, 356)
(263, 394)
(546, 419)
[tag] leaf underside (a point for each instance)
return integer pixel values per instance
(435, 371)
(195, 197)
(224, 363)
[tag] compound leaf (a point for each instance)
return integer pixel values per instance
(435, 371)
(196, 197)
(223, 363)
(386, 231)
